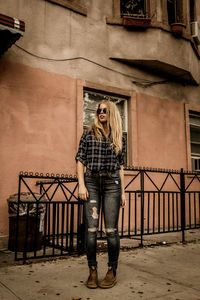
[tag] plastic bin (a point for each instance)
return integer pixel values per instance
(30, 224)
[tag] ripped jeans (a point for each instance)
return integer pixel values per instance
(103, 187)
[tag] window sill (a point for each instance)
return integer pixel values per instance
(72, 5)
(154, 24)
(136, 22)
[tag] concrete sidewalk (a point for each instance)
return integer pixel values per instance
(170, 271)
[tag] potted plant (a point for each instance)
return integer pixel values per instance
(177, 28)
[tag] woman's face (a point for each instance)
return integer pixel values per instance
(102, 112)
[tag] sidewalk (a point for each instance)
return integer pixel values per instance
(168, 271)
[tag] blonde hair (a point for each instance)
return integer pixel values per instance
(114, 125)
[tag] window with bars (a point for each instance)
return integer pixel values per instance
(133, 8)
(91, 101)
(195, 139)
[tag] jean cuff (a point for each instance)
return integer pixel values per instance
(113, 265)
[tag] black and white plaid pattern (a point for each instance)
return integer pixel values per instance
(98, 155)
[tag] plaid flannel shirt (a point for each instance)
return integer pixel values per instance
(98, 155)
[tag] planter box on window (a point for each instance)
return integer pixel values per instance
(177, 28)
(136, 22)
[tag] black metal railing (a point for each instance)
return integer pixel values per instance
(51, 223)
(48, 225)
(169, 201)
(159, 201)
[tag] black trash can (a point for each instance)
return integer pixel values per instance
(30, 222)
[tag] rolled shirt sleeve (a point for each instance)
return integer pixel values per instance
(82, 150)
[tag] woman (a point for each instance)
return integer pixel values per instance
(101, 151)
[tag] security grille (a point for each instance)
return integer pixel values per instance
(133, 8)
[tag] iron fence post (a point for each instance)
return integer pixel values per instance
(41, 188)
(17, 219)
(182, 182)
(142, 206)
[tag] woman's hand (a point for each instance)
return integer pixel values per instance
(123, 200)
(123, 196)
(83, 192)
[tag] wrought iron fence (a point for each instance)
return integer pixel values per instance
(162, 201)
(48, 225)
(51, 222)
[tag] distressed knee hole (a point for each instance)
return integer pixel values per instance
(93, 201)
(92, 229)
(95, 214)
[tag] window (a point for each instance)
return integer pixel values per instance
(91, 100)
(194, 118)
(174, 10)
(171, 10)
(192, 11)
(133, 8)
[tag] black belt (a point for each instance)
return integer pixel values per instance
(102, 172)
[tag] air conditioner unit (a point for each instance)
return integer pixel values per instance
(195, 32)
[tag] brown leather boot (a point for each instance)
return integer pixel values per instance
(92, 281)
(109, 281)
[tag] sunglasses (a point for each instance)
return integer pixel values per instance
(103, 111)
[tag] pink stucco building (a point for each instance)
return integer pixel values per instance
(74, 53)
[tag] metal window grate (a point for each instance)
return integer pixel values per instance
(133, 8)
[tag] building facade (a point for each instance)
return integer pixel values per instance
(144, 55)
